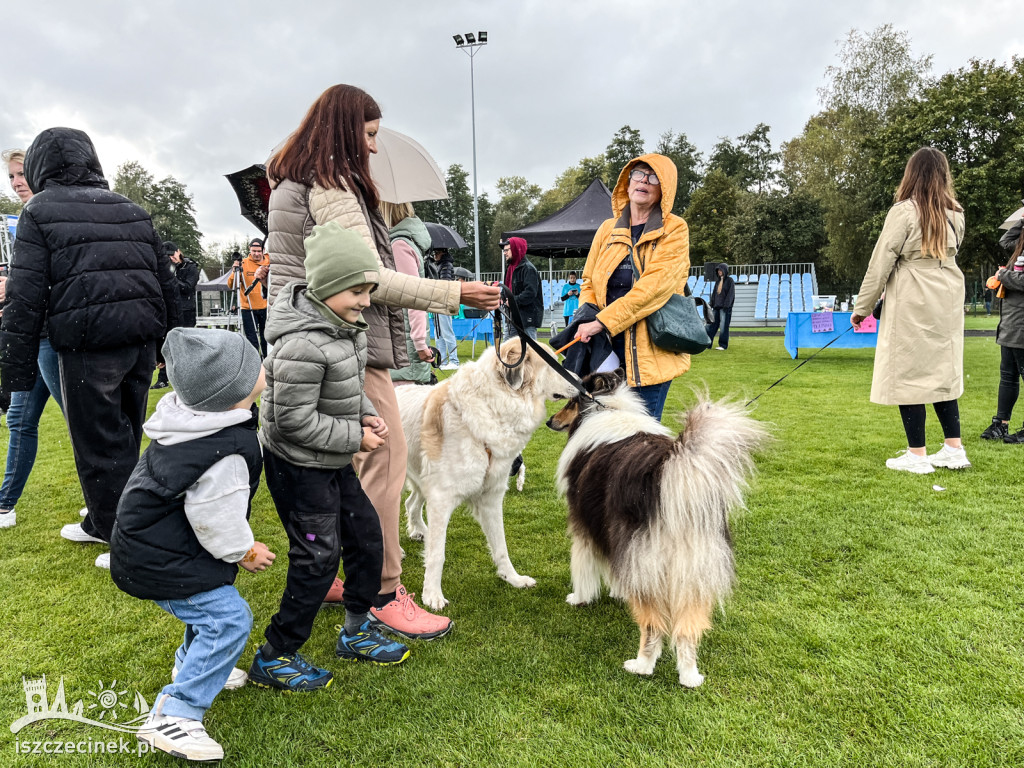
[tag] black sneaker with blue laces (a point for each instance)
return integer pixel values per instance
(367, 644)
(289, 672)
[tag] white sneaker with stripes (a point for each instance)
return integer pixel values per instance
(179, 736)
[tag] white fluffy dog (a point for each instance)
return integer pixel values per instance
(463, 436)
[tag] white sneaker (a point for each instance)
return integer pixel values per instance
(8, 517)
(450, 367)
(103, 561)
(950, 458)
(83, 512)
(74, 532)
(236, 679)
(910, 462)
(720, 349)
(180, 737)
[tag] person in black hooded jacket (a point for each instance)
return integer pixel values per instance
(87, 264)
(723, 296)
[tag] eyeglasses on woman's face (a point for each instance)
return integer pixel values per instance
(651, 178)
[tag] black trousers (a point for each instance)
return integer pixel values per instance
(913, 421)
(1011, 368)
(328, 518)
(105, 397)
(254, 321)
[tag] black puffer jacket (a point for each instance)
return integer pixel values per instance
(1010, 332)
(727, 297)
(186, 278)
(87, 262)
(441, 269)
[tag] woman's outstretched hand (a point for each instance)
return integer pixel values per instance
(481, 295)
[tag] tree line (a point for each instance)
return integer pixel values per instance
(822, 196)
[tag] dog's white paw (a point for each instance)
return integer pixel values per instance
(691, 678)
(434, 600)
(639, 667)
(573, 599)
(417, 535)
(519, 581)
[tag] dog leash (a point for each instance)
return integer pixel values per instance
(516, 320)
(805, 362)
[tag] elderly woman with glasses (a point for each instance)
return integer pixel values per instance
(638, 260)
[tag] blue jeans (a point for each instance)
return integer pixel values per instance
(723, 316)
(217, 625)
(23, 423)
(654, 396)
(447, 346)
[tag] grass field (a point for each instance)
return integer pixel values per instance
(876, 621)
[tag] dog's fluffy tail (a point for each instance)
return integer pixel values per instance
(688, 555)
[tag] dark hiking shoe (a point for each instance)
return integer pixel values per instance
(997, 430)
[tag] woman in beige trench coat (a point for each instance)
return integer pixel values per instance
(919, 357)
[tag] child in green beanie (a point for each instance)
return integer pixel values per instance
(315, 417)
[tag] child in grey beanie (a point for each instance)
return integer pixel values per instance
(182, 526)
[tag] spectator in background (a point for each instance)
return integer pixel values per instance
(571, 298)
(441, 266)
(186, 277)
(523, 280)
(410, 240)
(252, 290)
(87, 266)
(723, 296)
(25, 408)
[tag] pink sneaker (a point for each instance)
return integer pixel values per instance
(402, 616)
(336, 593)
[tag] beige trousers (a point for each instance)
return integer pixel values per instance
(382, 474)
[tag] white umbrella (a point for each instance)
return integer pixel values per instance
(404, 171)
(1014, 219)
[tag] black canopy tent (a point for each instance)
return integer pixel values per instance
(569, 232)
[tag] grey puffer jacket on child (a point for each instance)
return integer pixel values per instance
(314, 421)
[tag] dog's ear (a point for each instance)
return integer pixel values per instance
(602, 383)
(512, 351)
(514, 377)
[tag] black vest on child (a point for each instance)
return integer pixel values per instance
(154, 553)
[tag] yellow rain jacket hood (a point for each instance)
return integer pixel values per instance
(661, 256)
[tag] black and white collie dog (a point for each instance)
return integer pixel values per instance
(648, 512)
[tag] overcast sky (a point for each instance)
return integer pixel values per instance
(200, 89)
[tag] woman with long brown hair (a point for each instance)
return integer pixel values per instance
(919, 357)
(1010, 337)
(322, 174)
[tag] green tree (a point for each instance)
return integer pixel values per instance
(10, 205)
(974, 116)
(876, 72)
(626, 144)
(750, 162)
(711, 207)
(570, 185)
(134, 182)
(776, 228)
(835, 159)
(688, 161)
(174, 216)
(216, 257)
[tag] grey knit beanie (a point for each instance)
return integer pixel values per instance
(210, 369)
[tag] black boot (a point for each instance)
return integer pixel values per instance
(997, 430)
(1016, 437)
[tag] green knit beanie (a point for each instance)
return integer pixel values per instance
(336, 259)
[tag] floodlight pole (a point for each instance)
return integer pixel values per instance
(471, 49)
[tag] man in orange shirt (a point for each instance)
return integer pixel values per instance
(253, 292)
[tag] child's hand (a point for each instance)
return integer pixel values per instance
(258, 558)
(370, 441)
(376, 423)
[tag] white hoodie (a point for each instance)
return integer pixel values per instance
(216, 503)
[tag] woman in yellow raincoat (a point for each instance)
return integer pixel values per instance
(646, 234)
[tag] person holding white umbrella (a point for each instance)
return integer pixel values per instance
(322, 173)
